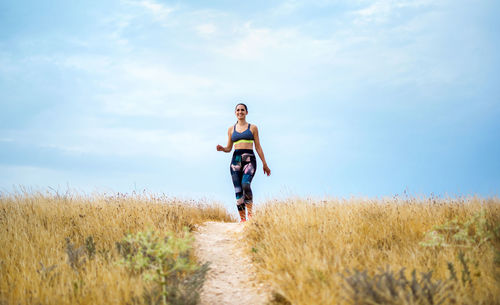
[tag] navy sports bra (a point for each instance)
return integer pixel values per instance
(242, 137)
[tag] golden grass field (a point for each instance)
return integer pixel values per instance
(306, 249)
(34, 265)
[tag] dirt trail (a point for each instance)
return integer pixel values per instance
(231, 277)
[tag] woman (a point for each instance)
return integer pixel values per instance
(243, 164)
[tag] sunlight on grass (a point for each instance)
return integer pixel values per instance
(379, 251)
(62, 248)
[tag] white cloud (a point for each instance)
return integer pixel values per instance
(243, 57)
(150, 81)
(8, 66)
(257, 42)
(382, 11)
(86, 62)
(206, 29)
(138, 86)
(376, 12)
(21, 176)
(158, 10)
(122, 142)
(287, 7)
(146, 89)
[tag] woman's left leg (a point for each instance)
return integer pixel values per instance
(249, 169)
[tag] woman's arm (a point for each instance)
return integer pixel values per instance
(229, 146)
(258, 148)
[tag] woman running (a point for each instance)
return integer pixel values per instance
(243, 164)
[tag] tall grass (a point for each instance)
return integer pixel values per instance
(62, 248)
(411, 251)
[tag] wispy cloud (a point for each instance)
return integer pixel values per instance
(178, 145)
(158, 10)
(156, 80)
(206, 29)
(136, 142)
(382, 11)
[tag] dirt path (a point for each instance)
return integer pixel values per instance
(231, 278)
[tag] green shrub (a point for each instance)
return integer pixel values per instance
(470, 233)
(166, 261)
(388, 287)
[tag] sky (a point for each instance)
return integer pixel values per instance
(351, 97)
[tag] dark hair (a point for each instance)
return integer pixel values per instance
(246, 108)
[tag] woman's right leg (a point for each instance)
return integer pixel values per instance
(236, 176)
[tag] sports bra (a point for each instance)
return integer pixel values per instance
(242, 137)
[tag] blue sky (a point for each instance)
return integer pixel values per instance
(352, 98)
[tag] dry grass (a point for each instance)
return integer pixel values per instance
(45, 253)
(312, 252)
(352, 251)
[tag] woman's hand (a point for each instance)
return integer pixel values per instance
(267, 171)
(220, 148)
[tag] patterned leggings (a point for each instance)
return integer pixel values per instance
(243, 166)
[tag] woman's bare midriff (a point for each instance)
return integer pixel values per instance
(243, 146)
